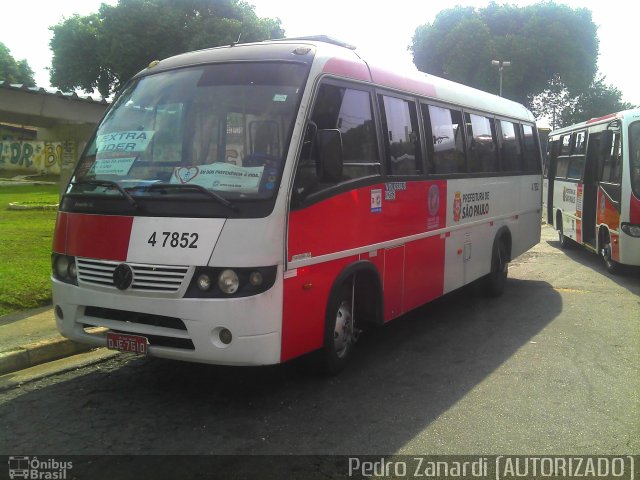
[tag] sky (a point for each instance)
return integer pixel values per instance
(382, 34)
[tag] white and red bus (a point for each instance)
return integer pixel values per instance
(246, 205)
(592, 181)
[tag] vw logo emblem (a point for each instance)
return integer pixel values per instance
(123, 276)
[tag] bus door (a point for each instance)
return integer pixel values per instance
(609, 188)
(592, 171)
(552, 159)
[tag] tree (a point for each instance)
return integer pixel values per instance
(563, 108)
(552, 102)
(13, 71)
(102, 51)
(542, 41)
(599, 100)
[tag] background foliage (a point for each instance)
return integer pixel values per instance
(25, 247)
(103, 50)
(553, 50)
(13, 71)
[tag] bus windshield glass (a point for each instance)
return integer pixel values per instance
(219, 127)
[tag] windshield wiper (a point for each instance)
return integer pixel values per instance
(109, 183)
(193, 188)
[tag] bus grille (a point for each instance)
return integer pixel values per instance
(151, 278)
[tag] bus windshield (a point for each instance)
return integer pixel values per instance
(220, 129)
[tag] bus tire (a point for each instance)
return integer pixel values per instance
(339, 336)
(496, 281)
(564, 241)
(605, 252)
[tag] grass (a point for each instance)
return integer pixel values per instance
(25, 247)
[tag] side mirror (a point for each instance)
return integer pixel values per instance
(330, 155)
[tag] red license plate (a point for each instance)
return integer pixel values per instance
(127, 343)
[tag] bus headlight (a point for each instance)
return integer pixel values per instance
(64, 268)
(630, 229)
(204, 282)
(228, 281)
(224, 282)
(255, 279)
(60, 266)
(72, 270)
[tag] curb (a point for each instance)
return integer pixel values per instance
(40, 352)
(23, 206)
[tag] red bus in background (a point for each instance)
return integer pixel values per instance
(246, 205)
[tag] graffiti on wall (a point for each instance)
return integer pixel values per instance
(37, 156)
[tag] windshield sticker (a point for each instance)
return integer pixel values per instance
(221, 176)
(279, 97)
(133, 141)
(113, 166)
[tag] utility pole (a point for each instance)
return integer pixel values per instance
(501, 64)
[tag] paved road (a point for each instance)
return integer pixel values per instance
(552, 367)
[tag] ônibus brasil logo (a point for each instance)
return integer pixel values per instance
(33, 468)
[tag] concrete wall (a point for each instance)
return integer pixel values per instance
(37, 156)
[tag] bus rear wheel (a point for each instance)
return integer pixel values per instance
(496, 281)
(565, 242)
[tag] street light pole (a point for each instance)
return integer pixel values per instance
(501, 64)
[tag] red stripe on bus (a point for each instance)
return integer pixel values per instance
(346, 68)
(60, 234)
(393, 80)
(407, 208)
(411, 274)
(98, 236)
(599, 119)
(634, 210)
(304, 308)
(423, 272)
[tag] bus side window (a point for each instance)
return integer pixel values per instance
(612, 168)
(562, 167)
(579, 146)
(481, 143)
(349, 111)
(576, 165)
(510, 147)
(447, 132)
(402, 142)
(616, 160)
(531, 152)
(565, 144)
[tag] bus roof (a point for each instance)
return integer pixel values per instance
(341, 59)
(634, 112)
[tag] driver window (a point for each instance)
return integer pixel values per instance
(348, 110)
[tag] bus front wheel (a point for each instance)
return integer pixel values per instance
(340, 331)
(611, 265)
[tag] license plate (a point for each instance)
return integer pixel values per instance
(127, 343)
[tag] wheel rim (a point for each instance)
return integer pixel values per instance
(606, 254)
(501, 264)
(560, 235)
(343, 332)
